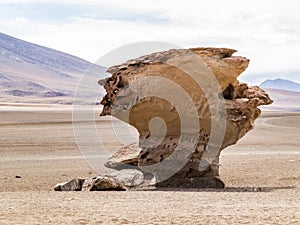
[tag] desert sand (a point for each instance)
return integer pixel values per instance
(261, 173)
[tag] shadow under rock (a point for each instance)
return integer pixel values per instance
(226, 189)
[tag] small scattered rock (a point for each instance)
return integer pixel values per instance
(88, 184)
(129, 177)
(127, 155)
(103, 183)
(72, 185)
(18, 177)
(100, 183)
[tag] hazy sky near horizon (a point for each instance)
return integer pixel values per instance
(267, 32)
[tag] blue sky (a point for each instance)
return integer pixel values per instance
(267, 32)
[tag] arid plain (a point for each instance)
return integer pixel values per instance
(37, 144)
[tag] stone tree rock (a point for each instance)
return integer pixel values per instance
(187, 106)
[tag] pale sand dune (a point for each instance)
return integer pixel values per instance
(261, 172)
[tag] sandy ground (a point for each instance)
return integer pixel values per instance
(261, 173)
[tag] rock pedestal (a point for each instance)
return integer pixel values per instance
(178, 100)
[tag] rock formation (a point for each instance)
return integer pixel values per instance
(100, 183)
(143, 89)
(114, 181)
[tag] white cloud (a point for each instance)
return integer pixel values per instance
(267, 32)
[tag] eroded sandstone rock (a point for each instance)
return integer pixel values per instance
(127, 101)
(99, 183)
(72, 185)
(128, 177)
(127, 155)
(103, 183)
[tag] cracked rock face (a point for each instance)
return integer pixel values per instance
(175, 128)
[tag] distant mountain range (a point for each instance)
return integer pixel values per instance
(30, 73)
(281, 84)
(285, 93)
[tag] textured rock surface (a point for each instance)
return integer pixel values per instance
(72, 185)
(127, 155)
(100, 183)
(128, 177)
(241, 104)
